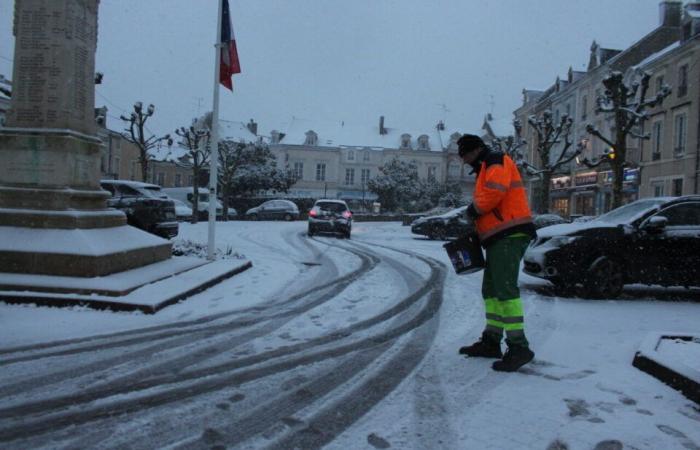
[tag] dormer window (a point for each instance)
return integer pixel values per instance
(351, 155)
(423, 142)
(311, 138)
(405, 141)
(365, 156)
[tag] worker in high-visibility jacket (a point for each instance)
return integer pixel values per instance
(504, 224)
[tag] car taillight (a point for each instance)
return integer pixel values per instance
(347, 214)
(313, 213)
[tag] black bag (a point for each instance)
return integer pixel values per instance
(465, 254)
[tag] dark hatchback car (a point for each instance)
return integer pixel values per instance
(451, 224)
(650, 241)
(145, 205)
(330, 216)
(274, 210)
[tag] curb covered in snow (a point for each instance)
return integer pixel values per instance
(149, 298)
(667, 369)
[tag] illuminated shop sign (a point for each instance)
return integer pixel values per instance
(630, 176)
(583, 179)
(561, 182)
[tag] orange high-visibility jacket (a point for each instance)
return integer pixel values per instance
(500, 203)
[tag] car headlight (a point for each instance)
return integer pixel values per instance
(559, 241)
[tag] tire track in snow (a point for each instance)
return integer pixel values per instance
(175, 365)
(142, 335)
(215, 379)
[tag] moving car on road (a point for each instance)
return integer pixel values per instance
(451, 224)
(274, 210)
(650, 241)
(145, 205)
(330, 216)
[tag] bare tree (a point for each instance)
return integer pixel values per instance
(249, 168)
(196, 139)
(627, 104)
(554, 149)
(134, 133)
(510, 145)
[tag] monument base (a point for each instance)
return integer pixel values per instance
(78, 252)
(147, 289)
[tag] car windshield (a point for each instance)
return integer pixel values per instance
(331, 206)
(631, 211)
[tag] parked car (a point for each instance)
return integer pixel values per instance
(330, 216)
(545, 220)
(186, 195)
(183, 211)
(274, 210)
(145, 205)
(581, 219)
(409, 218)
(650, 241)
(451, 224)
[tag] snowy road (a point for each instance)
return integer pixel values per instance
(343, 344)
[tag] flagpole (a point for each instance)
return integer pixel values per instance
(214, 149)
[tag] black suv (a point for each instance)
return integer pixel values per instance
(145, 205)
(330, 216)
(650, 241)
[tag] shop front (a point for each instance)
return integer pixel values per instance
(630, 188)
(584, 193)
(559, 193)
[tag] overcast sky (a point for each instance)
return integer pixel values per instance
(413, 61)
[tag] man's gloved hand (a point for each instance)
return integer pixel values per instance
(471, 213)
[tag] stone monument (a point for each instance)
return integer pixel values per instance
(53, 214)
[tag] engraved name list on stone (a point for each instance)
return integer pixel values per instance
(55, 55)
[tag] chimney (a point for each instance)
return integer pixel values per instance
(670, 13)
(252, 127)
(382, 130)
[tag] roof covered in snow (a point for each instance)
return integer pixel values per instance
(236, 131)
(345, 134)
(654, 56)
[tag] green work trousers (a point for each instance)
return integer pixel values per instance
(504, 309)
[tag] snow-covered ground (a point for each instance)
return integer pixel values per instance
(581, 392)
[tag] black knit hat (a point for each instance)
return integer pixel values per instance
(469, 142)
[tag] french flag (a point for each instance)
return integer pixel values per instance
(229, 54)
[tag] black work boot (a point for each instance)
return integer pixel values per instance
(516, 356)
(486, 347)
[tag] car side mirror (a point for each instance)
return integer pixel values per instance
(655, 224)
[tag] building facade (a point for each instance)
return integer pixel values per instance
(580, 190)
(670, 162)
(119, 157)
(338, 160)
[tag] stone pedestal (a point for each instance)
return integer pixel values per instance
(50, 156)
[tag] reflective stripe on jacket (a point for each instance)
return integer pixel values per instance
(500, 200)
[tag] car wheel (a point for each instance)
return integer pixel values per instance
(253, 217)
(310, 232)
(288, 217)
(347, 235)
(605, 279)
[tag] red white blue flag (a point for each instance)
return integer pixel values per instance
(229, 63)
